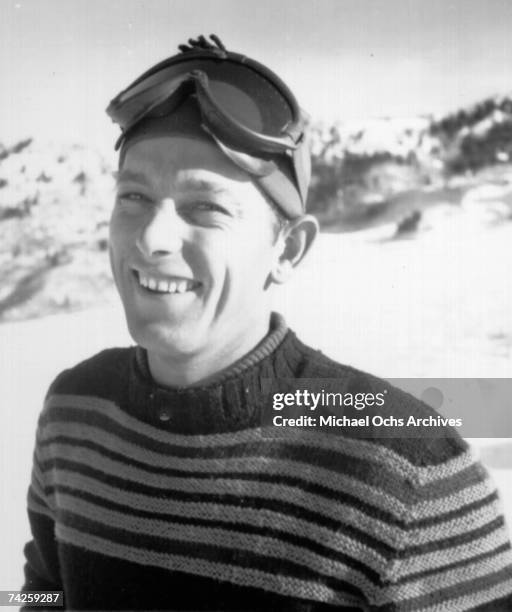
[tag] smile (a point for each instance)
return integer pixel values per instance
(170, 285)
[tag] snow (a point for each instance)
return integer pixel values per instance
(436, 306)
(398, 136)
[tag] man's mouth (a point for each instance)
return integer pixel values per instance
(170, 285)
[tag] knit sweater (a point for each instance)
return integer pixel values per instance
(145, 497)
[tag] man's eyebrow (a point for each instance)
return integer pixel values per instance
(201, 184)
(130, 176)
(206, 186)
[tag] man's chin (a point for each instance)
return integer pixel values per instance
(180, 339)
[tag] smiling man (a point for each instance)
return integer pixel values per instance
(193, 245)
(159, 481)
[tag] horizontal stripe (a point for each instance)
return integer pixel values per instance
(345, 513)
(314, 504)
(360, 449)
(401, 492)
(449, 511)
(469, 593)
(275, 547)
(278, 497)
(440, 581)
(445, 487)
(251, 467)
(347, 509)
(226, 538)
(453, 555)
(37, 474)
(280, 529)
(314, 479)
(444, 578)
(450, 503)
(257, 495)
(247, 577)
(464, 522)
(431, 521)
(254, 463)
(337, 540)
(35, 484)
(272, 449)
(470, 535)
(481, 557)
(468, 602)
(440, 553)
(35, 504)
(37, 487)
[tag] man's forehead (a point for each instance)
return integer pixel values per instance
(190, 179)
(192, 162)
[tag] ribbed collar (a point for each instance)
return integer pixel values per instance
(233, 400)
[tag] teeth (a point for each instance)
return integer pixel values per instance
(162, 286)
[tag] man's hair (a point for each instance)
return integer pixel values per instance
(280, 220)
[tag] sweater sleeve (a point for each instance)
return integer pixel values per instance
(41, 560)
(455, 552)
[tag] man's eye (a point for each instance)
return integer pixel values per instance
(133, 196)
(204, 206)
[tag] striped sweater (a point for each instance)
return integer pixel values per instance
(144, 497)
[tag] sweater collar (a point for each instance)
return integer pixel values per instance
(232, 400)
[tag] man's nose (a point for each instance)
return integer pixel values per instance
(162, 232)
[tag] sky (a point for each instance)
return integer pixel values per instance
(61, 61)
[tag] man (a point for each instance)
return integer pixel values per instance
(159, 480)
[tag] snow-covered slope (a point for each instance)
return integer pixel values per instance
(395, 136)
(55, 203)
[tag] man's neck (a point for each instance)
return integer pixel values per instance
(192, 370)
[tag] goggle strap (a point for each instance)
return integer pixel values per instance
(283, 193)
(262, 171)
(302, 169)
(252, 165)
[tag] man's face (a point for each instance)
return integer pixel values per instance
(192, 245)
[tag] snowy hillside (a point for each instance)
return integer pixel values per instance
(395, 136)
(487, 124)
(476, 136)
(370, 162)
(55, 203)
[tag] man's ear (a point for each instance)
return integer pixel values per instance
(295, 241)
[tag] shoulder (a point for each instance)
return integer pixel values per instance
(99, 375)
(429, 443)
(315, 364)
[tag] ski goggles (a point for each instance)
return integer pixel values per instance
(248, 111)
